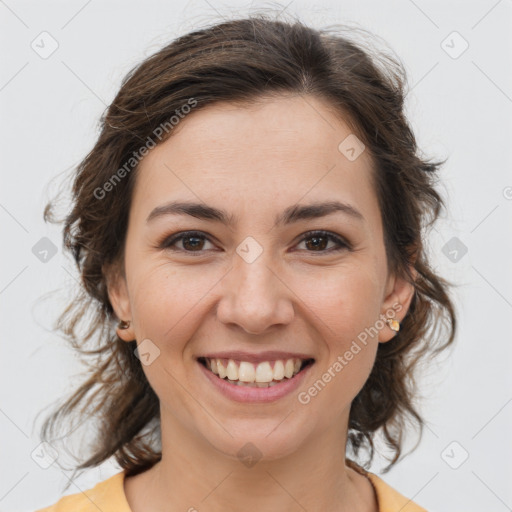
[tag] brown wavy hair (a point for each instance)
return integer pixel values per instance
(241, 61)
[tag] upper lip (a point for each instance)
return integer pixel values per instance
(270, 355)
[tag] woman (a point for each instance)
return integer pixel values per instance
(252, 218)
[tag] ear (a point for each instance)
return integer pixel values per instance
(118, 295)
(398, 296)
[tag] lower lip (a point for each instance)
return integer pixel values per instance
(255, 394)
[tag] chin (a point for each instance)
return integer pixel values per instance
(264, 443)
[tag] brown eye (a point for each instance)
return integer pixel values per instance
(317, 241)
(192, 241)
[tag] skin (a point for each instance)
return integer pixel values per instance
(255, 161)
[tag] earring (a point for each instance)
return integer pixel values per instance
(393, 324)
(123, 325)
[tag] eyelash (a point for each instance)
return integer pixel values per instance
(167, 242)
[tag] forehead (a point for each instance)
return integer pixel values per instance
(281, 149)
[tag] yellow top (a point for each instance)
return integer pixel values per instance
(109, 496)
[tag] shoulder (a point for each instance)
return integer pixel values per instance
(389, 499)
(107, 496)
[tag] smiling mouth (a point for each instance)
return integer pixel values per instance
(263, 375)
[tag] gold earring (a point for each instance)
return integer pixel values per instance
(393, 324)
(123, 324)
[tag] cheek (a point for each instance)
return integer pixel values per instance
(169, 306)
(345, 300)
(169, 302)
(344, 307)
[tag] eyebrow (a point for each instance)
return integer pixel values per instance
(292, 214)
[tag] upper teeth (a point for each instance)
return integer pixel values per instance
(248, 372)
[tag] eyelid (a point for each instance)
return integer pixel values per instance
(343, 243)
(166, 241)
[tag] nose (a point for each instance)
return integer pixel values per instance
(254, 297)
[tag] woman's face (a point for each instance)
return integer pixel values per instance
(255, 285)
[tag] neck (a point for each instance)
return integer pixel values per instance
(193, 475)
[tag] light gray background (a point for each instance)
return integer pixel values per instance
(459, 107)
